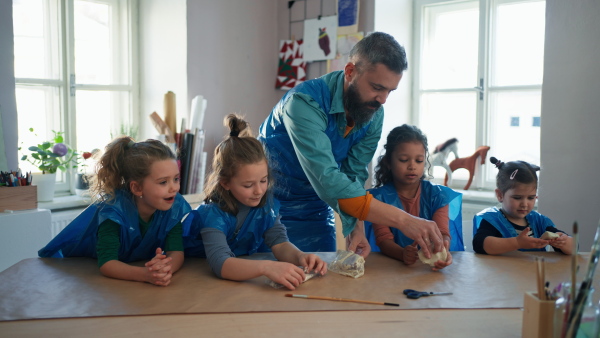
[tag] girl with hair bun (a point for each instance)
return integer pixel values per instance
(136, 214)
(241, 217)
(516, 226)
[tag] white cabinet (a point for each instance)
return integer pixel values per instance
(22, 234)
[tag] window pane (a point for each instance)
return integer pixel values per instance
(518, 44)
(448, 115)
(98, 54)
(35, 24)
(515, 127)
(449, 61)
(38, 108)
(97, 113)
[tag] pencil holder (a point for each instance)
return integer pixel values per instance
(538, 317)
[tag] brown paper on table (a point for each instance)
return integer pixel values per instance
(170, 111)
(73, 287)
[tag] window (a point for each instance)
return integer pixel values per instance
(73, 70)
(479, 68)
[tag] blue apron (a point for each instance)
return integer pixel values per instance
(79, 238)
(248, 240)
(309, 220)
(537, 223)
(432, 198)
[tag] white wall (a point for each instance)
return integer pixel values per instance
(395, 17)
(570, 129)
(8, 104)
(232, 61)
(163, 60)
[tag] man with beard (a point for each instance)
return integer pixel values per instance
(320, 138)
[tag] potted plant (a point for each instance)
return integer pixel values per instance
(48, 157)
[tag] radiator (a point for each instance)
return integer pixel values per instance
(59, 220)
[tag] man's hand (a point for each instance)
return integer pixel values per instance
(357, 242)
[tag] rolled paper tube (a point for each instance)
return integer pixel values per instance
(170, 111)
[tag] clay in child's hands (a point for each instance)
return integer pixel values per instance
(549, 235)
(438, 256)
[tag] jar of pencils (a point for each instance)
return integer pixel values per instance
(590, 320)
(589, 326)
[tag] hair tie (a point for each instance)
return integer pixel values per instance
(234, 133)
(514, 173)
(497, 162)
(130, 144)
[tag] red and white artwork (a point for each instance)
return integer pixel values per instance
(292, 66)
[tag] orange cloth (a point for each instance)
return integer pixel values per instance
(348, 130)
(411, 206)
(356, 206)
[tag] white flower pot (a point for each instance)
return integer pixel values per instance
(45, 186)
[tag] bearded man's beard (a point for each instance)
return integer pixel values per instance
(360, 112)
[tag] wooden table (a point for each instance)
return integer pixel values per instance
(53, 297)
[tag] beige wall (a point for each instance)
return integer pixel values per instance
(232, 61)
(570, 137)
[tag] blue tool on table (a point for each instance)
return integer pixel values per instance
(414, 294)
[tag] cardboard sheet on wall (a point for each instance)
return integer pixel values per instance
(344, 45)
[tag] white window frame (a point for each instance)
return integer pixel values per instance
(482, 85)
(65, 118)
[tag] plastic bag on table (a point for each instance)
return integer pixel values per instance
(348, 263)
(276, 285)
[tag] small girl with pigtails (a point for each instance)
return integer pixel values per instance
(241, 217)
(136, 215)
(516, 226)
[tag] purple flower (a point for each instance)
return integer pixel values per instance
(60, 149)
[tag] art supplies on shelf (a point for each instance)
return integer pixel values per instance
(15, 178)
(188, 143)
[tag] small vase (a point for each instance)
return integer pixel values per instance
(45, 186)
(81, 184)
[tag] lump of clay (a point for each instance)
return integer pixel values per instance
(438, 256)
(549, 235)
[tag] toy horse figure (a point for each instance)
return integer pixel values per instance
(469, 163)
(440, 155)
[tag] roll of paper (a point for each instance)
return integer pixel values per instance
(170, 111)
(197, 113)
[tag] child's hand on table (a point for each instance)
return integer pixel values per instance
(313, 263)
(410, 254)
(286, 274)
(159, 269)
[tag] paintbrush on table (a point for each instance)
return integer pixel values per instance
(341, 299)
